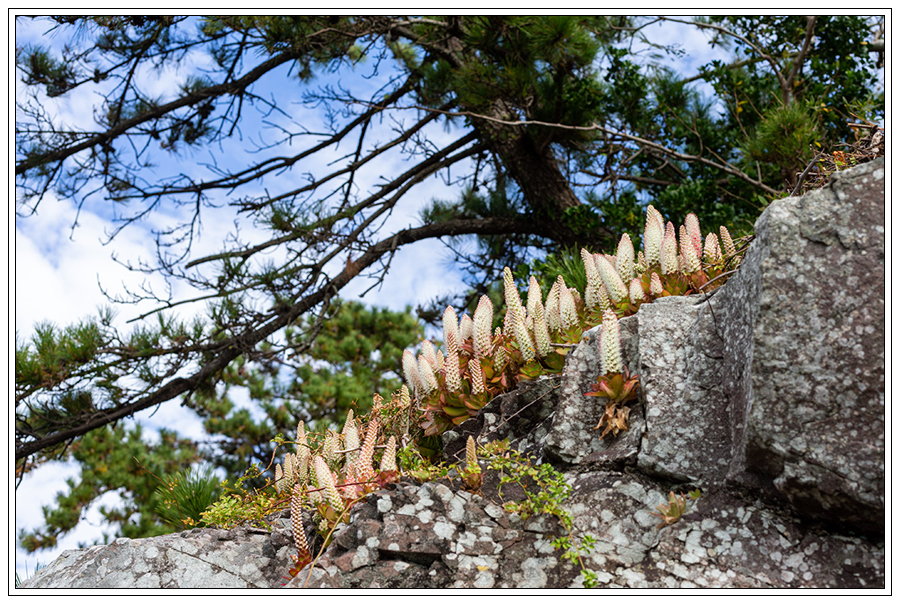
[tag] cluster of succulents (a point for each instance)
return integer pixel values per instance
(481, 361)
(328, 477)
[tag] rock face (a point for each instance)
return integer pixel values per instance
(767, 395)
(809, 405)
(199, 558)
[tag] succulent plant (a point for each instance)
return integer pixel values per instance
(615, 383)
(471, 473)
(534, 339)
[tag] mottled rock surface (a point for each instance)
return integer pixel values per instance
(811, 402)
(200, 558)
(688, 426)
(437, 536)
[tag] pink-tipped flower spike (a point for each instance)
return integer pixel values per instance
(477, 376)
(625, 259)
(451, 329)
(451, 372)
(364, 463)
(426, 376)
(693, 228)
(513, 301)
(535, 296)
(411, 371)
(499, 355)
(466, 328)
(656, 287)
(688, 253)
(484, 316)
(471, 457)
(304, 556)
(669, 254)
(653, 236)
(471, 474)
(641, 263)
(603, 299)
(568, 312)
(523, 338)
(330, 447)
(316, 496)
(615, 287)
(350, 490)
(405, 399)
(712, 253)
(554, 321)
(389, 457)
(326, 482)
(653, 214)
(301, 465)
(351, 439)
(289, 470)
(610, 354)
(301, 438)
(302, 456)
(440, 360)
(430, 354)
(670, 230)
(594, 281)
(280, 483)
(509, 323)
(727, 243)
(576, 295)
(541, 332)
(377, 402)
(636, 291)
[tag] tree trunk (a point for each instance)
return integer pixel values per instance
(534, 169)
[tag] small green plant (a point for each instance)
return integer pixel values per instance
(37, 567)
(545, 490)
(471, 472)
(674, 508)
(238, 506)
(186, 495)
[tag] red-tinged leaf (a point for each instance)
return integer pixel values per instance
(476, 402)
(455, 411)
(458, 420)
(382, 479)
(301, 561)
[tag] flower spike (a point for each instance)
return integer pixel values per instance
(625, 259)
(610, 354)
(484, 316)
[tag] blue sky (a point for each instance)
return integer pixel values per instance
(59, 271)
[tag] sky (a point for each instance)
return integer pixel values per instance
(60, 271)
